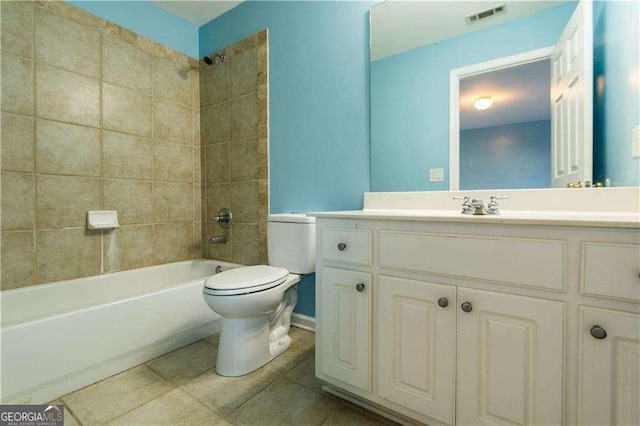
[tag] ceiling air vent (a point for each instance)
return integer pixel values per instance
(484, 14)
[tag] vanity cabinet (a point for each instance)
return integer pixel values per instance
(416, 348)
(510, 359)
(466, 324)
(609, 390)
(347, 326)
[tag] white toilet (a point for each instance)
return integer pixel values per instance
(256, 302)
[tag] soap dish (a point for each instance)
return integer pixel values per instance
(102, 219)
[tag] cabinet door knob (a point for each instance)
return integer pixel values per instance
(360, 287)
(342, 246)
(466, 306)
(443, 302)
(598, 332)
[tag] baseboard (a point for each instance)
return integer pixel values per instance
(304, 322)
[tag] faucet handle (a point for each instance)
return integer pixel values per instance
(492, 207)
(466, 204)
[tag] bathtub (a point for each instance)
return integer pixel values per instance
(57, 338)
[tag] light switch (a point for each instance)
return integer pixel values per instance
(635, 144)
(436, 175)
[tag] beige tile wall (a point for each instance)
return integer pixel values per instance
(234, 123)
(97, 117)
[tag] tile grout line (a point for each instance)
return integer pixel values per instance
(34, 264)
(102, 181)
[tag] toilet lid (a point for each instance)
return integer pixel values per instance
(247, 279)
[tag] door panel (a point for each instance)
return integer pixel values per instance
(510, 359)
(572, 100)
(416, 346)
(609, 368)
(346, 327)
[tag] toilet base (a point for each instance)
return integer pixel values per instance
(247, 344)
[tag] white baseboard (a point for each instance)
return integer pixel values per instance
(304, 322)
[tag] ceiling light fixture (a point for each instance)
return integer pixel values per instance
(483, 102)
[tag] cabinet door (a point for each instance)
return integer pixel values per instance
(416, 345)
(609, 368)
(510, 359)
(346, 326)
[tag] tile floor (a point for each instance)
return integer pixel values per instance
(182, 388)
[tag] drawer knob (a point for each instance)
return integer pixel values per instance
(598, 332)
(466, 306)
(342, 246)
(360, 287)
(443, 302)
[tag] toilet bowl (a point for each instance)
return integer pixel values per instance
(256, 302)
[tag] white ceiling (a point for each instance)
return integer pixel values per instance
(398, 26)
(197, 12)
(520, 94)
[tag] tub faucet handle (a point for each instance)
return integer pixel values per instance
(224, 218)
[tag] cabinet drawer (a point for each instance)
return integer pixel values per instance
(518, 261)
(611, 270)
(347, 245)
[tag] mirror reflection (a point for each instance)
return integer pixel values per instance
(412, 129)
(505, 128)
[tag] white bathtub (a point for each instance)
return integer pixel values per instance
(56, 338)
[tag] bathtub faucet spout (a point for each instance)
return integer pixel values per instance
(220, 239)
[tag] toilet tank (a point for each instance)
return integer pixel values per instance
(291, 242)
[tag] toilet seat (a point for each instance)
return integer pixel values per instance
(248, 279)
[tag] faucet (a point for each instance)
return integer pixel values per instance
(466, 205)
(220, 239)
(477, 207)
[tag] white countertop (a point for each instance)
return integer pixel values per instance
(549, 218)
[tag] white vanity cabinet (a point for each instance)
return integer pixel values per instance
(347, 325)
(466, 324)
(416, 323)
(510, 359)
(609, 390)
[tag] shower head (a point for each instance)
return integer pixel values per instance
(210, 60)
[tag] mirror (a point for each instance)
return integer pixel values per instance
(504, 128)
(416, 45)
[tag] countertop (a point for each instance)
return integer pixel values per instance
(548, 218)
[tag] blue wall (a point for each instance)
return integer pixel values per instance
(616, 94)
(514, 156)
(318, 102)
(410, 97)
(148, 20)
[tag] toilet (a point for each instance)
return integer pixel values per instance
(256, 302)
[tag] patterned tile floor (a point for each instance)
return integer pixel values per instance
(182, 388)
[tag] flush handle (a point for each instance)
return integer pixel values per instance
(342, 246)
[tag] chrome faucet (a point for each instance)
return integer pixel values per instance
(477, 207)
(220, 239)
